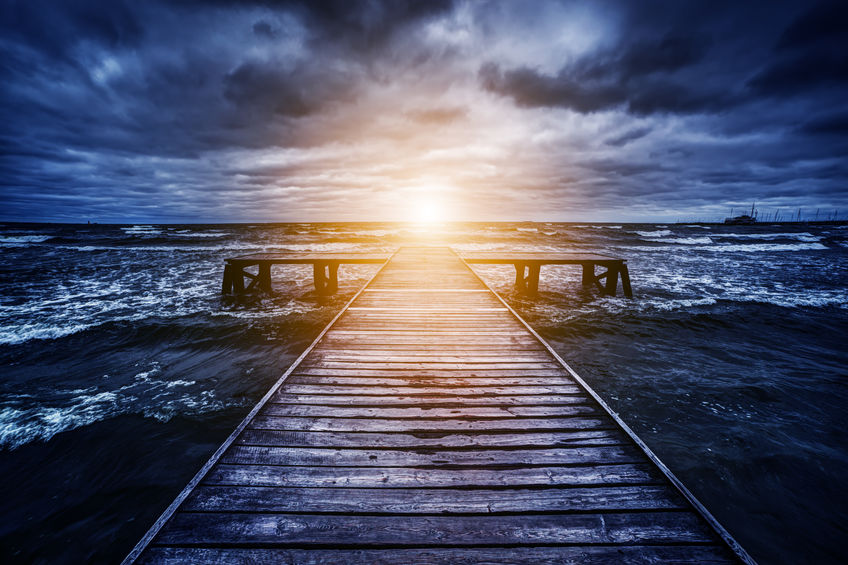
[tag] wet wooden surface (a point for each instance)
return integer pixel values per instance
(429, 425)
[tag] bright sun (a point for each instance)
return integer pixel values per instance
(426, 210)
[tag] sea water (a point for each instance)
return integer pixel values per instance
(122, 369)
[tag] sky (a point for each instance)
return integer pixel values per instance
(362, 110)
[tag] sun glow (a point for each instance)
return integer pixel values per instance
(426, 204)
(427, 210)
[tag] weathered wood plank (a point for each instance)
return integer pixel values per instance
(423, 333)
(465, 381)
(394, 357)
(395, 365)
(391, 371)
(432, 501)
(373, 347)
(430, 440)
(429, 456)
(330, 530)
(440, 425)
(419, 411)
(409, 477)
(585, 555)
(429, 391)
(424, 399)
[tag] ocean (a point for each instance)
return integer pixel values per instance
(123, 368)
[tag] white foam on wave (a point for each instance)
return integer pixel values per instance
(169, 248)
(141, 230)
(759, 247)
(22, 420)
(187, 233)
(808, 237)
(655, 233)
(697, 226)
(687, 240)
(532, 230)
(15, 240)
(735, 248)
(13, 335)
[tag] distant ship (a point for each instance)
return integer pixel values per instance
(743, 220)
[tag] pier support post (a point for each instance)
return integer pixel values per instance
(227, 283)
(612, 281)
(527, 277)
(625, 281)
(326, 276)
(237, 278)
(588, 274)
(332, 277)
(532, 281)
(519, 276)
(265, 277)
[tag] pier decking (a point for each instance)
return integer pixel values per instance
(429, 424)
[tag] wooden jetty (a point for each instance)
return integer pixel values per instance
(428, 423)
(325, 267)
(529, 265)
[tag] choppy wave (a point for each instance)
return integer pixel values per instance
(654, 233)
(23, 239)
(735, 248)
(187, 233)
(20, 333)
(687, 240)
(24, 419)
(141, 230)
(799, 236)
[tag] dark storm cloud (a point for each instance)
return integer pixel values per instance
(645, 76)
(829, 125)
(214, 109)
(679, 70)
(809, 54)
(628, 136)
(52, 27)
(266, 87)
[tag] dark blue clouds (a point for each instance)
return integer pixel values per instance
(212, 110)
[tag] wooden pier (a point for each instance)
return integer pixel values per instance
(325, 268)
(429, 424)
